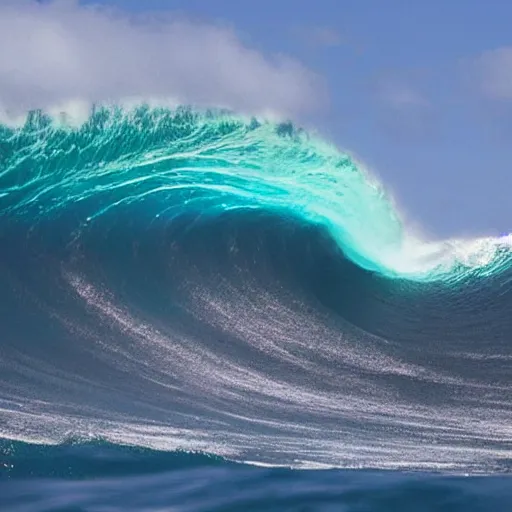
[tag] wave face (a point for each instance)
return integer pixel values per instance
(191, 281)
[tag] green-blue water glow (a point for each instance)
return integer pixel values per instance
(172, 161)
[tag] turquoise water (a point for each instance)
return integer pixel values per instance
(173, 160)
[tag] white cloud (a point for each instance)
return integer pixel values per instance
(494, 70)
(61, 51)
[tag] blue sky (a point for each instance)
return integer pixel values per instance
(421, 92)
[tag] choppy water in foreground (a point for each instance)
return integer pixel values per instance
(101, 477)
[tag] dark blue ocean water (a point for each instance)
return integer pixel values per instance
(101, 477)
(200, 312)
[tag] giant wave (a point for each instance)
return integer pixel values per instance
(188, 280)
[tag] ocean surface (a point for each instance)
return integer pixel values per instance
(205, 311)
